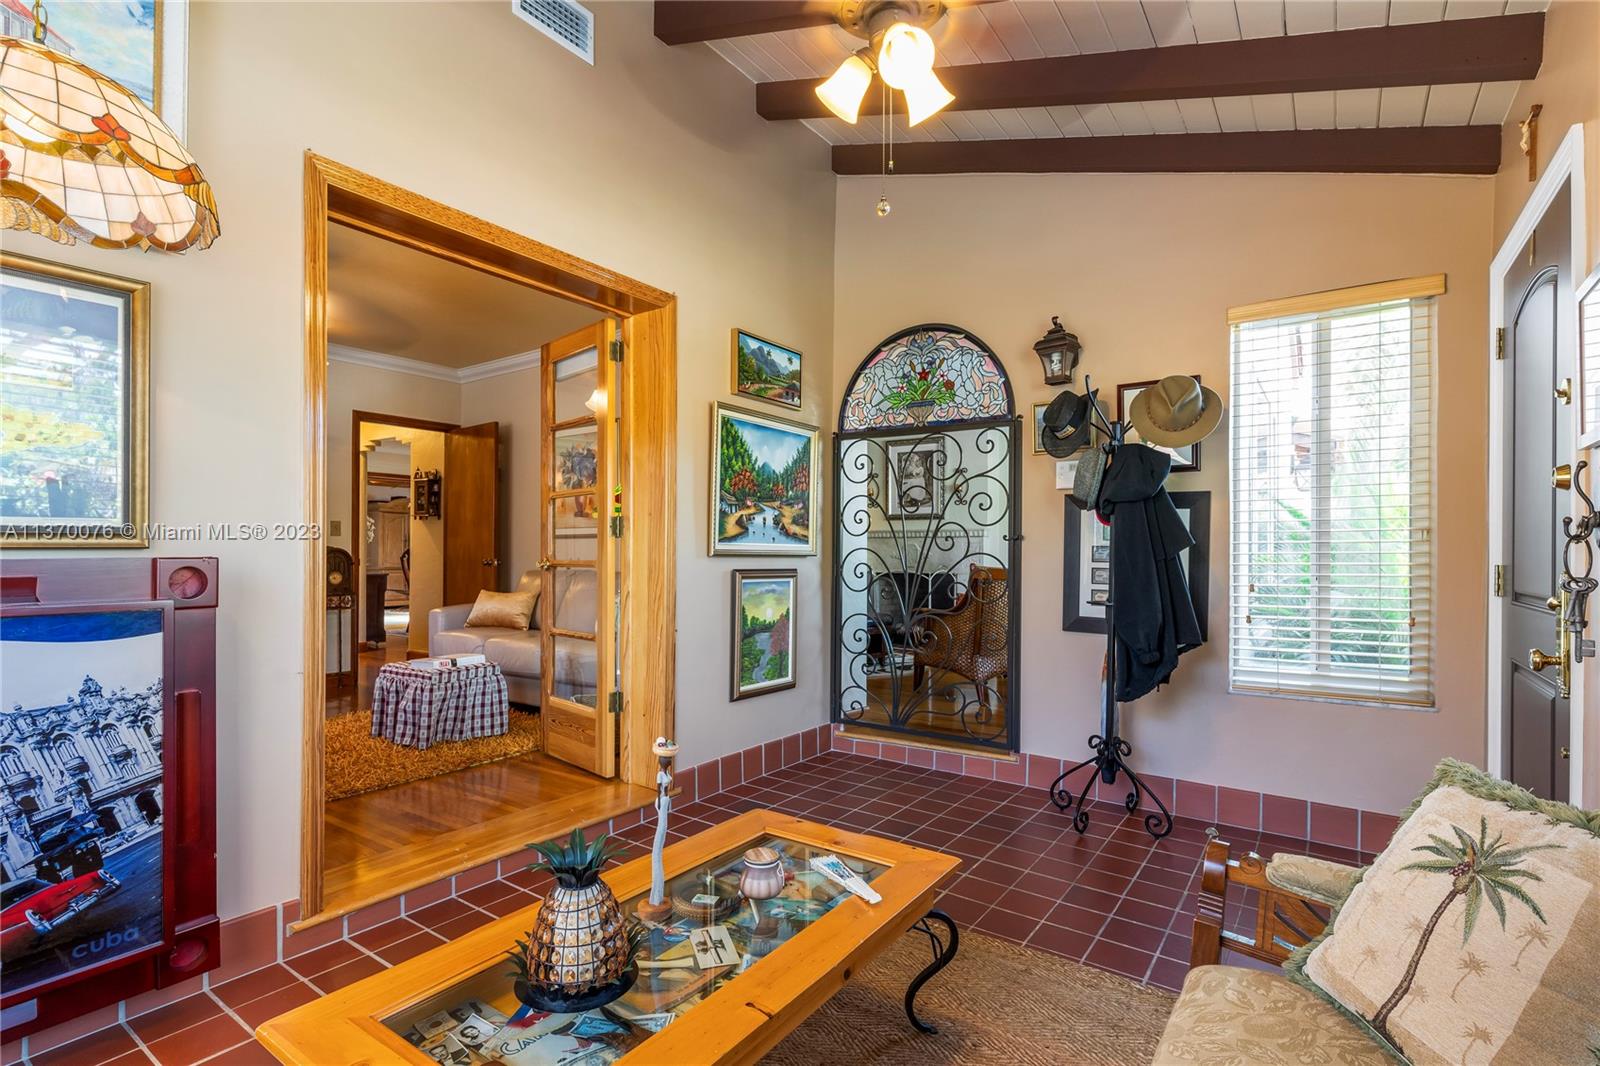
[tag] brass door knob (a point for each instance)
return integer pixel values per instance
(545, 564)
(1553, 602)
(1564, 391)
(1561, 476)
(1566, 752)
(1538, 660)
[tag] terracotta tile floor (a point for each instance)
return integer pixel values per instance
(1110, 898)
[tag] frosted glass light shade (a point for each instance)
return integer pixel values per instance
(925, 96)
(904, 55)
(844, 92)
(81, 158)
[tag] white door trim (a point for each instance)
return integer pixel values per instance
(1565, 166)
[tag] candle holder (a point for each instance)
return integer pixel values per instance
(656, 907)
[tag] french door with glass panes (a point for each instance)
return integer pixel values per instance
(577, 616)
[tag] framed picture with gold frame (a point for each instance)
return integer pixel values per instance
(75, 403)
(766, 370)
(142, 44)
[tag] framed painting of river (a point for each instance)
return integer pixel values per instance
(763, 628)
(763, 484)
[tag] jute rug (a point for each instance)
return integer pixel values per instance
(357, 762)
(995, 1003)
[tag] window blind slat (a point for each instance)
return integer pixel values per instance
(1331, 439)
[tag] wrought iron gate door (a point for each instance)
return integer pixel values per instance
(927, 553)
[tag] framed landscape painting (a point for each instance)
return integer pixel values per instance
(763, 484)
(765, 370)
(142, 44)
(74, 406)
(763, 628)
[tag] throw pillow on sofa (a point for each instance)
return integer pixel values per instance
(1475, 936)
(504, 610)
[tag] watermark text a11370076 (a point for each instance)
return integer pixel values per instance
(193, 533)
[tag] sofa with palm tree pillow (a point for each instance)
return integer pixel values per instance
(1475, 936)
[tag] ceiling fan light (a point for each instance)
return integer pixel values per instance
(905, 55)
(844, 92)
(925, 97)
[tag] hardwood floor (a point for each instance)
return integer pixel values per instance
(938, 710)
(380, 844)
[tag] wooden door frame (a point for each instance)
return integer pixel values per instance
(358, 509)
(334, 192)
(1565, 166)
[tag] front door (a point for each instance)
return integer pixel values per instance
(577, 676)
(471, 507)
(1538, 346)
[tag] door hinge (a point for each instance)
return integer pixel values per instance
(616, 350)
(616, 526)
(1499, 579)
(1500, 342)
(616, 703)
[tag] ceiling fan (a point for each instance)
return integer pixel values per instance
(899, 50)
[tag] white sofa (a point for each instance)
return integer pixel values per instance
(518, 651)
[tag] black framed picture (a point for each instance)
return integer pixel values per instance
(1185, 459)
(1086, 569)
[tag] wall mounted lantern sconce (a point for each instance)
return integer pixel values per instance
(1059, 351)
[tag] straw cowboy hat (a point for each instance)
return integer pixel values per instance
(1175, 411)
(1066, 424)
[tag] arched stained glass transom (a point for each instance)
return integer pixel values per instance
(927, 538)
(926, 376)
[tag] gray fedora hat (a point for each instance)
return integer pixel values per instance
(1067, 423)
(1175, 411)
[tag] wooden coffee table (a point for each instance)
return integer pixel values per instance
(795, 952)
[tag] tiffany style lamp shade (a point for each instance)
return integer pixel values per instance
(82, 158)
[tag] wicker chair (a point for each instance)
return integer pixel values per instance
(972, 639)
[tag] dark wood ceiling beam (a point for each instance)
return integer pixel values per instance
(688, 21)
(1426, 150)
(1499, 48)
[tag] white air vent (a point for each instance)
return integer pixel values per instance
(569, 24)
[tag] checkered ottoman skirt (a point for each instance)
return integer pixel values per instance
(419, 708)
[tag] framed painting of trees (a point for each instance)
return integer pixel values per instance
(763, 484)
(765, 370)
(763, 632)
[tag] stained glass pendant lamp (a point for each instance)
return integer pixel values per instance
(84, 159)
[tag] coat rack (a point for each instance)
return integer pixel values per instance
(1110, 750)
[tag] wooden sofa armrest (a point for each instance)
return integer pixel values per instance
(1284, 920)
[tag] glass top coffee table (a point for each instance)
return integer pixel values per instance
(763, 965)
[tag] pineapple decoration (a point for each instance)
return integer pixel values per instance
(579, 953)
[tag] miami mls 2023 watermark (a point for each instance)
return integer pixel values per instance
(196, 533)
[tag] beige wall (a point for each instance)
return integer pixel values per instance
(1143, 269)
(1568, 87)
(652, 163)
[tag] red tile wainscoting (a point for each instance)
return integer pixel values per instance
(1110, 898)
(1218, 805)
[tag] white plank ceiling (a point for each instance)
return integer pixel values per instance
(1031, 29)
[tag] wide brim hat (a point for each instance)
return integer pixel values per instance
(1067, 423)
(1175, 411)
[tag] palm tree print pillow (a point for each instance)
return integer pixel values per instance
(1475, 937)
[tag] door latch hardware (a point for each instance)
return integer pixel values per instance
(1564, 392)
(1538, 661)
(1561, 476)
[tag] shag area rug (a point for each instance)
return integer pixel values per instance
(996, 1002)
(357, 762)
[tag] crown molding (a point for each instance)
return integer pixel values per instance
(495, 367)
(396, 364)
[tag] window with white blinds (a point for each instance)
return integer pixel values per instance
(1331, 429)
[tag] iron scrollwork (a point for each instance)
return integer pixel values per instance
(927, 558)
